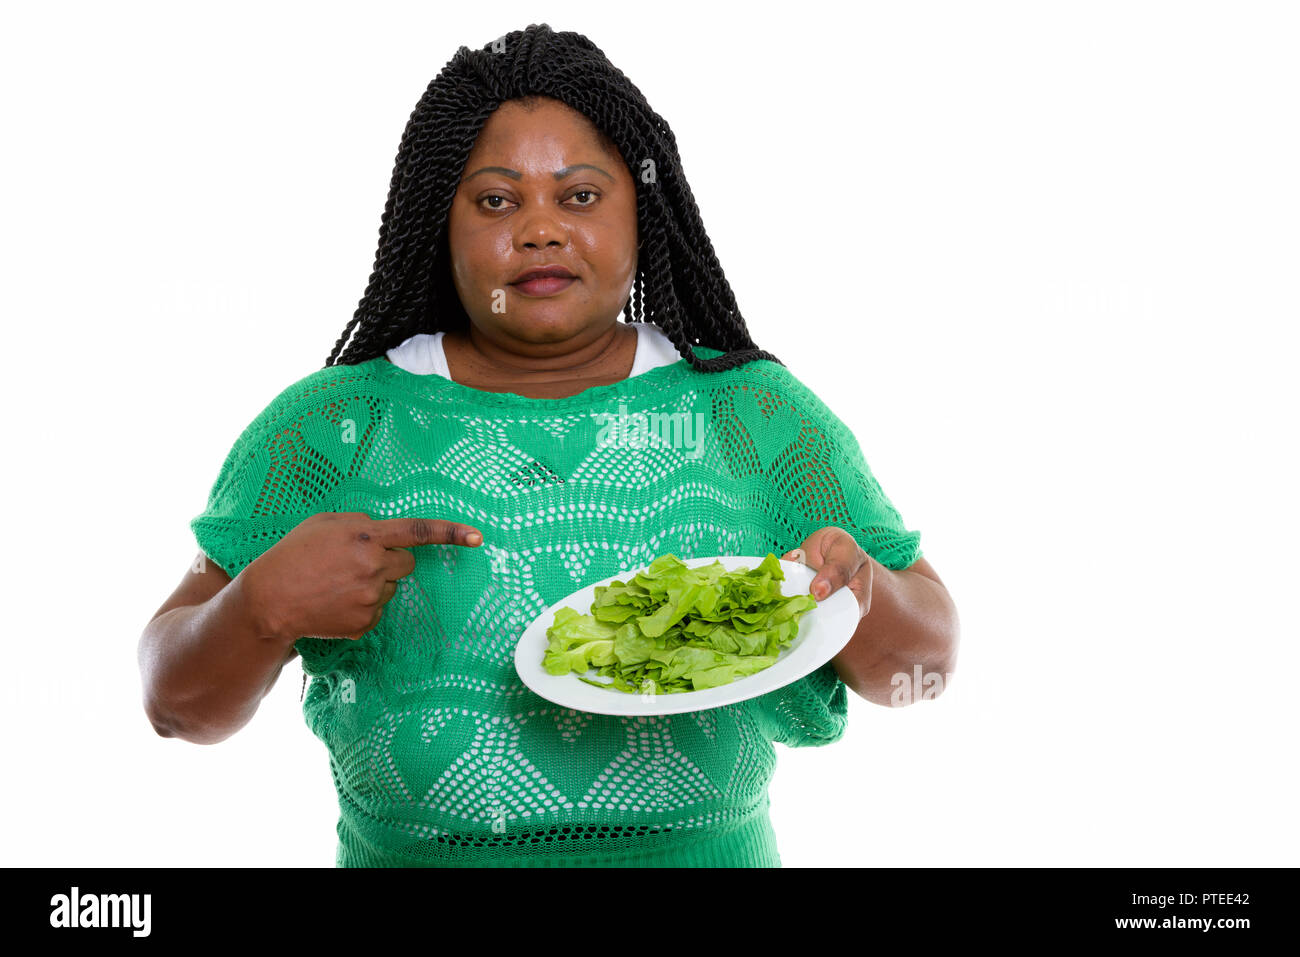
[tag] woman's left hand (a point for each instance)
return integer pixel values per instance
(839, 561)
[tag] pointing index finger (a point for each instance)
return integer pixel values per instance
(408, 532)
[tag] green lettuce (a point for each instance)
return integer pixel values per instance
(671, 628)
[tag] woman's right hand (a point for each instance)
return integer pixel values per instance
(331, 576)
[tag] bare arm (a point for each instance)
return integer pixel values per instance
(908, 622)
(206, 661)
(215, 648)
(912, 623)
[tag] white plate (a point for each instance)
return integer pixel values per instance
(823, 633)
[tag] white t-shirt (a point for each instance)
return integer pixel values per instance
(423, 354)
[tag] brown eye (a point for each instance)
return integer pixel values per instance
(493, 196)
(587, 192)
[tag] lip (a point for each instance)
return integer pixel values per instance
(544, 285)
(535, 272)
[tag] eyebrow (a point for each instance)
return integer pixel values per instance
(558, 174)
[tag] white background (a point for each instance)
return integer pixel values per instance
(1041, 257)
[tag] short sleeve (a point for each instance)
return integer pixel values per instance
(817, 476)
(272, 479)
(830, 483)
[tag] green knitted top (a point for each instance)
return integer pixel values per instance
(439, 754)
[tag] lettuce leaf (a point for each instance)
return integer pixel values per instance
(671, 628)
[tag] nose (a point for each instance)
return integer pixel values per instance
(540, 227)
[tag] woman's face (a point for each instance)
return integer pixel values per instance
(539, 189)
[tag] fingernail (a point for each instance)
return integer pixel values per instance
(821, 588)
(474, 538)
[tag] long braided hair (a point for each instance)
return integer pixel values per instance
(679, 284)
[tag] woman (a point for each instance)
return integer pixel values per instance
(451, 472)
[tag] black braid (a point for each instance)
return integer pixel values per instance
(679, 284)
